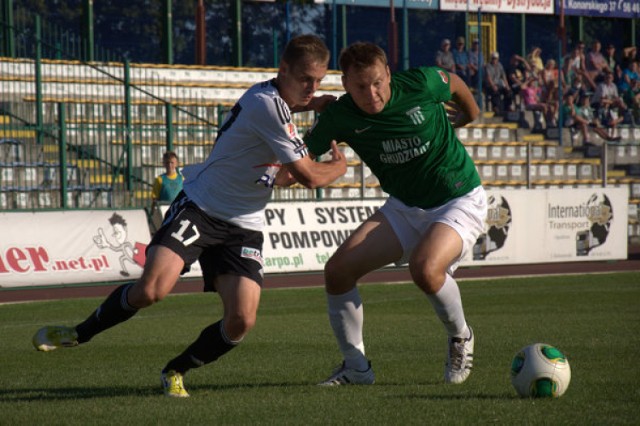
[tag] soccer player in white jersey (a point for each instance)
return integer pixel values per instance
(218, 217)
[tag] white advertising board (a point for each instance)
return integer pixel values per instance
(553, 225)
(523, 226)
(71, 247)
(302, 236)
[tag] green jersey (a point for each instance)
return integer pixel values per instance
(410, 145)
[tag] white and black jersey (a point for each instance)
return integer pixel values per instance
(257, 136)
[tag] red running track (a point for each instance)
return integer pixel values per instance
(316, 279)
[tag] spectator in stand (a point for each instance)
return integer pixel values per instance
(577, 88)
(603, 129)
(574, 64)
(518, 74)
(572, 120)
(628, 55)
(167, 185)
(613, 63)
(551, 78)
(476, 63)
(582, 118)
(628, 75)
(461, 59)
(596, 63)
(535, 60)
(531, 93)
(608, 104)
(444, 57)
(632, 98)
(496, 85)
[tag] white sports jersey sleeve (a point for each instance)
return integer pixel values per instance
(235, 182)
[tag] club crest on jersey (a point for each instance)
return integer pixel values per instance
(251, 253)
(415, 114)
(443, 76)
(292, 131)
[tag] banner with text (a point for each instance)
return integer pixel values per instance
(410, 4)
(302, 236)
(71, 247)
(522, 226)
(541, 7)
(553, 225)
(600, 8)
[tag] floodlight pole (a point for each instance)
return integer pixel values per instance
(405, 34)
(562, 47)
(480, 55)
(393, 39)
(287, 9)
(8, 47)
(201, 35)
(237, 34)
(87, 37)
(334, 30)
(562, 33)
(167, 31)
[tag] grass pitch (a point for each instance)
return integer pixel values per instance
(270, 378)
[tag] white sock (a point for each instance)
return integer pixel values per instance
(346, 318)
(447, 303)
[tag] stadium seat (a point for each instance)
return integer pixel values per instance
(23, 198)
(6, 201)
(463, 134)
(46, 199)
(518, 172)
(11, 150)
(481, 152)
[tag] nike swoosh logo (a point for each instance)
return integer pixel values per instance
(358, 131)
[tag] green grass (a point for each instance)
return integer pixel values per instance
(269, 379)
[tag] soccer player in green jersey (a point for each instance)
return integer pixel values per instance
(400, 128)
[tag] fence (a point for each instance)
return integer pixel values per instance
(75, 134)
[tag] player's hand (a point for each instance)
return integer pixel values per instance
(452, 109)
(337, 156)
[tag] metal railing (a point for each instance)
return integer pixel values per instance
(78, 134)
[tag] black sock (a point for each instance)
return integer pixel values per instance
(208, 347)
(114, 310)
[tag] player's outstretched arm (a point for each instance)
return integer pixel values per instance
(313, 174)
(465, 106)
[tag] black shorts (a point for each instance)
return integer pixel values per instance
(221, 247)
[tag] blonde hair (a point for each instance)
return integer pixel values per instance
(305, 48)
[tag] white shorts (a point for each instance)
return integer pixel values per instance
(466, 215)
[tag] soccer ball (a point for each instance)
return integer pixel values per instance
(540, 370)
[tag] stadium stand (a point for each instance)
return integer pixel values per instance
(113, 143)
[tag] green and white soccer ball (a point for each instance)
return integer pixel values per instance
(540, 370)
